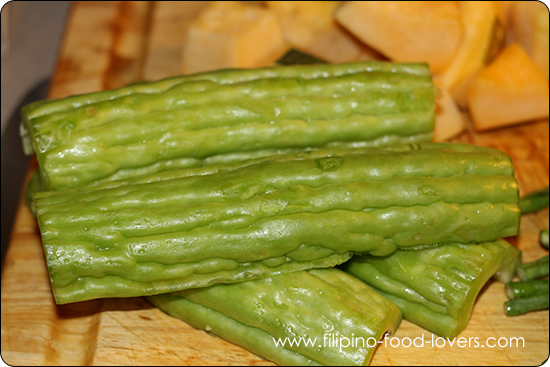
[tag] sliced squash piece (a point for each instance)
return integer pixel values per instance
(406, 30)
(483, 38)
(310, 27)
(232, 34)
(508, 91)
(449, 120)
(529, 23)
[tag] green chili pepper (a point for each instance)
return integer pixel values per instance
(436, 288)
(191, 121)
(343, 316)
(285, 213)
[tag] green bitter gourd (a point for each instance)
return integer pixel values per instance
(254, 219)
(436, 288)
(226, 115)
(330, 317)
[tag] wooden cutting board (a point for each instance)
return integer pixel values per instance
(109, 44)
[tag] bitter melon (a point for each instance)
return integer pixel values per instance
(315, 317)
(436, 288)
(191, 120)
(228, 223)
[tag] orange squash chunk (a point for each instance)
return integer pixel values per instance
(508, 91)
(231, 34)
(449, 121)
(483, 38)
(406, 31)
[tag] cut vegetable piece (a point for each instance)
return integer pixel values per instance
(482, 39)
(449, 121)
(436, 288)
(310, 27)
(229, 34)
(530, 28)
(238, 114)
(509, 91)
(277, 214)
(504, 166)
(534, 269)
(317, 307)
(520, 306)
(526, 288)
(228, 76)
(406, 30)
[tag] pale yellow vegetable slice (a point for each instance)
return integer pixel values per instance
(310, 27)
(483, 37)
(449, 120)
(508, 91)
(230, 34)
(406, 30)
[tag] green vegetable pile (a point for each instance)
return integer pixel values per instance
(273, 203)
(530, 293)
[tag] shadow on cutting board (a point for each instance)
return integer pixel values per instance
(15, 165)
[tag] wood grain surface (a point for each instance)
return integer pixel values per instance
(109, 44)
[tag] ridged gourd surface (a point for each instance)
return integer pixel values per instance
(228, 115)
(254, 219)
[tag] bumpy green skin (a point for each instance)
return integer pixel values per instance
(219, 116)
(206, 226)
(436, 288)
(309, 304)
(226, 76)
